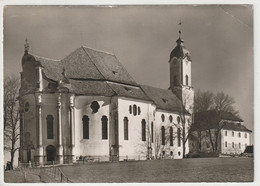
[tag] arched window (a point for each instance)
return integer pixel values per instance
(170, 118)
(134, 110)
(175, 80)
(178, 119)
(104, 127)
(163, 135)
(225, 144)
(139, 110)
(152, 132)
(171, 136)
(125, 128)
(143, 130)
(179, 137)
(49, 127)
(130, 109)
(163, 117)
(85, 121)
(187, 79)
(233, 145)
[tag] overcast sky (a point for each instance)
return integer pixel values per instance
(220, 39)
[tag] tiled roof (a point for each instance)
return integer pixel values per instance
(236, 127)
(164, 99)
(87, 64)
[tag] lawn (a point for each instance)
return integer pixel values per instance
(184, 170)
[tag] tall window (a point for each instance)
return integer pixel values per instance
(139, 110)
(170, 118)
(178, 119)
(163, 117)
(175, 80)
(152, 131)
(85, 120)
(49, 127)
(125, 128)
(143, 130)
(163, 135)
(104, 127)
(245, 135)
(233, 145)
(225, 133)
(171, 136)
(187, 79)
(134, 110)
(225, 144)
(232, 133)
(239, 135)
(179, 137)
(239, 145)
(130, 109)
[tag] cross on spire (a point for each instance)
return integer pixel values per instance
(180, 28)
(26, 45)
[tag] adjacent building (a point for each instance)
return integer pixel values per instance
(222, 129)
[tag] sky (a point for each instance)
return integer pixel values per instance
(220, 39)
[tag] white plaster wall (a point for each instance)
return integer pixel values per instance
(167, 124)
(30, 125)
(134, 147)
(95, 145)
(229, 139)
(49, 107)
(186, 71)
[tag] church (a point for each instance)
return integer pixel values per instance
(88, 106)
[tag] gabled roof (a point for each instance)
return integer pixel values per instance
(164, 99)
(87, 64)
(236, 127)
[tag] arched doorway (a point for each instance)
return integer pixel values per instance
(50, 152)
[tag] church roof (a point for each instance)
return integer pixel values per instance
(87, 64)
(164, 99)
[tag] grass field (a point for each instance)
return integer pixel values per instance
(185, 170)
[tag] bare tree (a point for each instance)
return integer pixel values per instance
(203, 101)
(212, 122)
(11, 115)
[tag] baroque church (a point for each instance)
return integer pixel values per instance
(87, 106)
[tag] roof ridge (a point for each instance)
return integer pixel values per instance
(46, 58)
(93, 63)
(98, 50)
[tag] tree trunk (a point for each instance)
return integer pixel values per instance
(211, 141)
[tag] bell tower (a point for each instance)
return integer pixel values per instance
(180, 74)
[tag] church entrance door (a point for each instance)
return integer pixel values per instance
(50, 151)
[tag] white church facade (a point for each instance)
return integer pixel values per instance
(87, 105)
